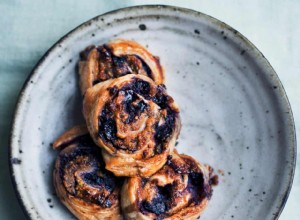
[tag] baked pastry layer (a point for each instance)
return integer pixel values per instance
(80, 180)
(117, 58)
(181, 189)
(134, 121)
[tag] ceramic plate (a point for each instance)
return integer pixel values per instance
(235, 113)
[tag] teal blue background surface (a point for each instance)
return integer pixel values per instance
(29, 28)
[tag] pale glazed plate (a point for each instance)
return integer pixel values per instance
(236, 116)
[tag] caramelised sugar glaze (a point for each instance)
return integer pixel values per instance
(138, 114)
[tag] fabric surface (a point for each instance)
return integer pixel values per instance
(29, 28)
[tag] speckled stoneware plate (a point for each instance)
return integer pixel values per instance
(236, 116)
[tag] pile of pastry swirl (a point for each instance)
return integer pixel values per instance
(132, 124)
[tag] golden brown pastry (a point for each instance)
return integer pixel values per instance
(80, 180)
(115, 59)
(135, 122)
(180, 190)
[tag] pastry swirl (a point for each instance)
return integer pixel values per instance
(181, 189)
(80, 180)
(135, 121)
(115, 59)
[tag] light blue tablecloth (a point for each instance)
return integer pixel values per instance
(29, 28)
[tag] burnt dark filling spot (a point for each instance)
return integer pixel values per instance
(105, 52)
(107, 204)
(145, 67)
(196, 178)
(161, 98)
(163, 86)
(141, 106)
(169, 158)
(113, 91)
(141, 87)
(107, 125)
(164, 131)
(130, 96)
(196, 187)
(144, 181)
(159, 148)
(120, 65)
(98, 182)
(96, 82)
(83, 140)
(84, 54)
(109, 128)
(93, 179)
(133, 109)
(161, 203)
(107, 181)
(156, 206)
(119, 61)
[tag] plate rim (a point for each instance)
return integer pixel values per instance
(34, 71)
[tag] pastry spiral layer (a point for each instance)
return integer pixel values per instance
(115, 59)
(80, 180)
(135, 121)
(180, 190)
